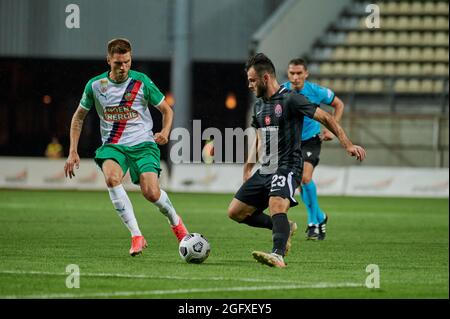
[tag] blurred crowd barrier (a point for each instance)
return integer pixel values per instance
(41, 173)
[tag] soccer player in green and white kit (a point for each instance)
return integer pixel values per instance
(121, 98)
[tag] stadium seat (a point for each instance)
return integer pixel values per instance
(340, 53)
(389, 68)
(376, 68)
(427, 54)
(401, 69)
(401, 23)
(404, 7)
(389, 23)
(417, 7)
(352, 54)
(401, 86)
(438, 86)
(441, 54)
(392, 7)
(365, 53)
(427, 86)
(378, 53)
(326, 68)
(403, 54)
(428, 69)
(427, 38)
(376, 85)
(415, 22)
(441, 23)
(441, 38)
(390, 38)
(365, 38)
(440, 69)
(441, 7)
(403, 38)
(416, 38)
(362, 86)
(378, 38)
(338, 85)
(428, 23)
(414, 69)
(353, 37)
(325, 82)
(364, 68)
(415, 54)
(414, 86)
(339, 68)
(352, 68)
(428, 7)
(349, 85)
(390, 54)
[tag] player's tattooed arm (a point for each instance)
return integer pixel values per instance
(73, 160)
(330, 123)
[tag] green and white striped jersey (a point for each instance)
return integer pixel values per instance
(123, 107)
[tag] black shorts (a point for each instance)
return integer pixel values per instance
(257, 190)
(311, 150)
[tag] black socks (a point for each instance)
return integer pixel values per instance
(280, 233)
(259, 219)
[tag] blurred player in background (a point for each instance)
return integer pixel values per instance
(312, 142)
(121, 98)
(278, 116)
(54, 149)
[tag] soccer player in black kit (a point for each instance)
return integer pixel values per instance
(278, 117)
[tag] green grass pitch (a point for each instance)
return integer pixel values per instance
(44, 231)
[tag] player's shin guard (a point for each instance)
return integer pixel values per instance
(124, 209)
(165, 206)
(258, 219)
(280, 233)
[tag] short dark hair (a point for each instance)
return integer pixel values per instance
(298, 61)
(119, 45)
(261, 63)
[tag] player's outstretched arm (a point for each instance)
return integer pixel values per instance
(338, 110)
(73, 160)
(330, 123)
(167, 118)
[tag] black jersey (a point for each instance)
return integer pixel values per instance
(279, 121)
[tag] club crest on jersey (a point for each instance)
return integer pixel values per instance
(278, 110)
(267, 120)
(129, 96)
(103, 85)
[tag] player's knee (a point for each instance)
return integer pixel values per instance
(234, 214)
(113, 180)
(306, 179)
(151, 195)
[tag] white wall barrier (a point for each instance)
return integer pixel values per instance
(41, 173)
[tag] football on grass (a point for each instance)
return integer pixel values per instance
(194, 248)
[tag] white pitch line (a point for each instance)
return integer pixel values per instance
(141, 276)
(183, 291)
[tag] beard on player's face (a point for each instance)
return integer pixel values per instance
(261, 88)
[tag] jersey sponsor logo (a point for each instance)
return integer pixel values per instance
(119, 113)
(309, 154)
(278, 110)
(267, 120)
